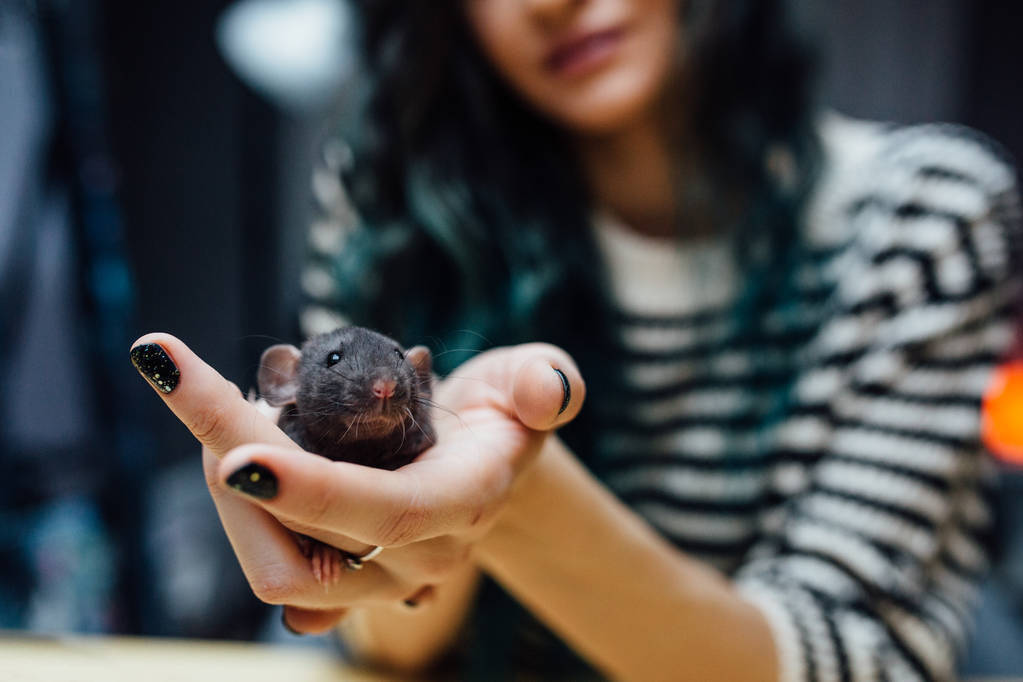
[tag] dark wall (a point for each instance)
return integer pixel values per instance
(175, 116)
(922, 60)
(902, 61)
(215, 191)
(992, 96)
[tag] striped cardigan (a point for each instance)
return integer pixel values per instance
(831, 464)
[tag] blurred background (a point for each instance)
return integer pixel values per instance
(156, 173)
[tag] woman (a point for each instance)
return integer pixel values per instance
(785, 325)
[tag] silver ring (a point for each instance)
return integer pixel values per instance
(354, 563)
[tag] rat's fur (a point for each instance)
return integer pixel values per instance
(329, 407)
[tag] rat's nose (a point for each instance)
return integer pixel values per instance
(384, 388)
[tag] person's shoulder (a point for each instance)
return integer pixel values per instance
(863, 162)
(925, 220)
(929, 150)
(907, 170)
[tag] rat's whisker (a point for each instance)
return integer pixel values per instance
(337, 402)
(434, 404)
(481, 380)
(341, 374)
(350, 424)
(436, 341)
(271, 368)
(268, 337)
(421, 429)
(474, 351)
(431, 403)
(476, 334)
(327, 410)
(402, 443)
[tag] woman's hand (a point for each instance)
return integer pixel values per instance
(497, 409)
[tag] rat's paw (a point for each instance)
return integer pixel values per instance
(326, 562)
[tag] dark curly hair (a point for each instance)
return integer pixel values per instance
(472, 209)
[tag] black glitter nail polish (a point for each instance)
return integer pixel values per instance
(254, 479)
(566, 390)
(156, 366)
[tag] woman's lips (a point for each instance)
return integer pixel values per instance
(580, 54)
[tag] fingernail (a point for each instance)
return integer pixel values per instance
(565, 389)
(254, 479)
(152, 362)
(287, 625)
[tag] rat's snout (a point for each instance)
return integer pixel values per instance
(384, 388)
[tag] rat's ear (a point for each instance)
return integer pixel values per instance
(421, 360)
(278, 374)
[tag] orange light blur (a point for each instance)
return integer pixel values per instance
(1002, 423)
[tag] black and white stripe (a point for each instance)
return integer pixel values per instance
(855, 516)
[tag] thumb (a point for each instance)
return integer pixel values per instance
(547, 388)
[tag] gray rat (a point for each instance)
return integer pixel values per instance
(350, 395)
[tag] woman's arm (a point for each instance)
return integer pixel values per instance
(616, 591)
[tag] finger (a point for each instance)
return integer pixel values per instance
(210, 406)
(276, 569)
(311, 621)
(326, 536)
(374, 506)
(546, 387)
(538, 383)
(421, 597)
(315, 492)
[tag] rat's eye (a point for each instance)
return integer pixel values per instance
(333, 358)
(397, 351)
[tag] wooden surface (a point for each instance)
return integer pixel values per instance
(120, 659)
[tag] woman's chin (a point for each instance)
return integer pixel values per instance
(606, 104)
